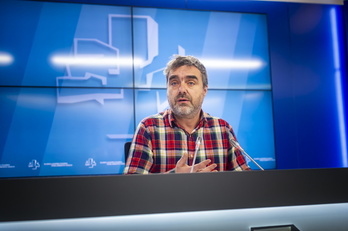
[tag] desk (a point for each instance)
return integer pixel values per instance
(100, 196)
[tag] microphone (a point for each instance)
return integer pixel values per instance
(237, 145)
(198, 142)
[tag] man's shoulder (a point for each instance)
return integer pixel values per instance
(155, 119)
(215, 121)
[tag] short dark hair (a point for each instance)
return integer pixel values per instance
(179, 61)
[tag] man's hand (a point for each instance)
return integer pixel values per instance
(182, 167)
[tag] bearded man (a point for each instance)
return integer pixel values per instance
(183, 138)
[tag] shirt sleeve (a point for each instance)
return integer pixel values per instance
(140, 158)
(238, 162)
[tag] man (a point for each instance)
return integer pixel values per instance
(166, 142)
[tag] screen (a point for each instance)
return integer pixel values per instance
(76, 79)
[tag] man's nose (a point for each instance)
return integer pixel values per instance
(182, 88)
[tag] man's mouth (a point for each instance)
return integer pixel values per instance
(183, 100)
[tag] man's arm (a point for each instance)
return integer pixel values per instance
(140, 158)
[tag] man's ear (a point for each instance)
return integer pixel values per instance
(205, 90)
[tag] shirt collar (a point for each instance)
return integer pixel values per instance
(172, 123)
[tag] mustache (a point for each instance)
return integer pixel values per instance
(183, 96)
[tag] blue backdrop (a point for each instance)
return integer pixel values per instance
(57, 100)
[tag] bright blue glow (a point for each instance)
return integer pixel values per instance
(338, 83)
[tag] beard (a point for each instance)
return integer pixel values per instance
(187, 109)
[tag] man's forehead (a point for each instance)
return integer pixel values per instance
(176, 77)
(185, 71)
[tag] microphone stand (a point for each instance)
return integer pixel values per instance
(237, 145)
(198, 142)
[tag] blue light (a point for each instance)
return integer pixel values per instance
(338, 85)
(5, 59)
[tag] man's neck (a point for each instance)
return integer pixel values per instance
(188, 123)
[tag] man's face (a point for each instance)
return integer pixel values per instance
(185, 91)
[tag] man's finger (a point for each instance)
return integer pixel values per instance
(210, 168)
(201, 165)
(183, 160)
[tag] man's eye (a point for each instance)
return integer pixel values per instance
(191, 83)
(173, 83)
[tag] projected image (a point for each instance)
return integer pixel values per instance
(87, 46)
(41, 137)
(232, 46)
(73, 91)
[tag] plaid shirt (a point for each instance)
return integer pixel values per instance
(159, 143)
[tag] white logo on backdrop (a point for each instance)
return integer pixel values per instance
(34, 165)
(90, 163)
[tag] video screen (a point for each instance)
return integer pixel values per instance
(76, 79)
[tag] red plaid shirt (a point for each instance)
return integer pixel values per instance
(159, 143)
